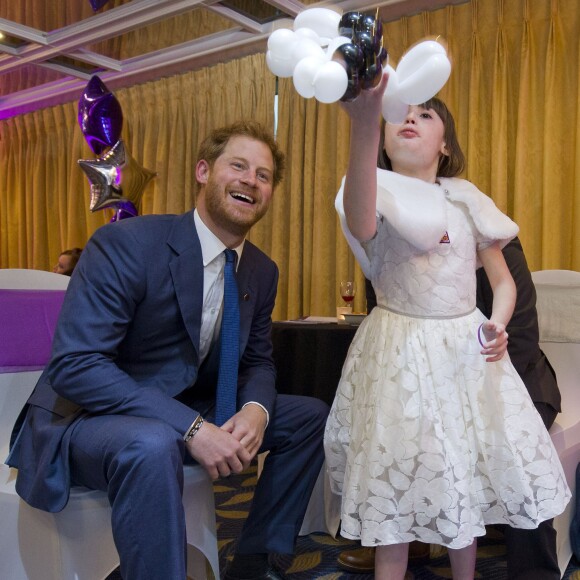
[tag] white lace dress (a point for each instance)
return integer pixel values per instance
(425, 440)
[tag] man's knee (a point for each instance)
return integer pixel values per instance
(315, 413)
(319, 410)
(157, 444)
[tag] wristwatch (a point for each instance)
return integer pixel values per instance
(195, 426)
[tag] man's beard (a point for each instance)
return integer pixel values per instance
(227, 217)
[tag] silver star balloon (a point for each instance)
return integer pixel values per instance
(115, 177)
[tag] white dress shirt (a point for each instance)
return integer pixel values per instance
(214, 260)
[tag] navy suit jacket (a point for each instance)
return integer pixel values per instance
(127, 343)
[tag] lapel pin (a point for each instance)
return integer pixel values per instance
(246, 297)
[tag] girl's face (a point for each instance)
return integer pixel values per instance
(63, 266)
(415, 146)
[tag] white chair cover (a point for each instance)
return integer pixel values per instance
(558, 307)
(77, 543)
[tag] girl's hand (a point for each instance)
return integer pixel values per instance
(496, 340)
(368, 105)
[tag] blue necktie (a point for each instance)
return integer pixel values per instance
(230, 344)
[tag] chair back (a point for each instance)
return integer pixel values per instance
(558, 305)
(22, 279)
(30, 302)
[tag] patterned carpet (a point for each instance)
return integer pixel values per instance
(316, 554)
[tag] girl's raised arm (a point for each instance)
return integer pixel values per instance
(360, 187)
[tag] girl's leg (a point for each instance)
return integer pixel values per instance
(463, 562)
(391, 561)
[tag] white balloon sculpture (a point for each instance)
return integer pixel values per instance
(300, 54)
(306, 54)
(420, 75)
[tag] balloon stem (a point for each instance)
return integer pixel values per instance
(276, 110)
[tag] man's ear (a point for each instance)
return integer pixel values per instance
(202, 171)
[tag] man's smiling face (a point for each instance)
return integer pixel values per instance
(236, 191)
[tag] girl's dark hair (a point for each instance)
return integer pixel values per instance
(450, 165)
(75, 254)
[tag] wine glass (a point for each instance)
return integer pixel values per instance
(347, 291)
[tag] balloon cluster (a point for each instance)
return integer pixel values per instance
(117, 181)
(364, 55)
(333, 57)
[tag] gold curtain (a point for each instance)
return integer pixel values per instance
(513, 91)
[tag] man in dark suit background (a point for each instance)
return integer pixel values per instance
(531, 554)
(130, 391)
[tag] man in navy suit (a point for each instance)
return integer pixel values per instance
(129, 393)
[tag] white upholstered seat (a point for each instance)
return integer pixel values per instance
(558, 307)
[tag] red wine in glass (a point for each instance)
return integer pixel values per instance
(347, 291)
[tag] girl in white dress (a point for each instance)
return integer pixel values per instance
(432, 434)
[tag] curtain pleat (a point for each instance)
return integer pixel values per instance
(502, 129)
(530, 146)
(513, 91)
(561, 78)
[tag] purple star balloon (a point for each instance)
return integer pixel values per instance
(100, 116)
(97, 4)
(124, 210)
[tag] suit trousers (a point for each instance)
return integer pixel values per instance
(138, 462)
